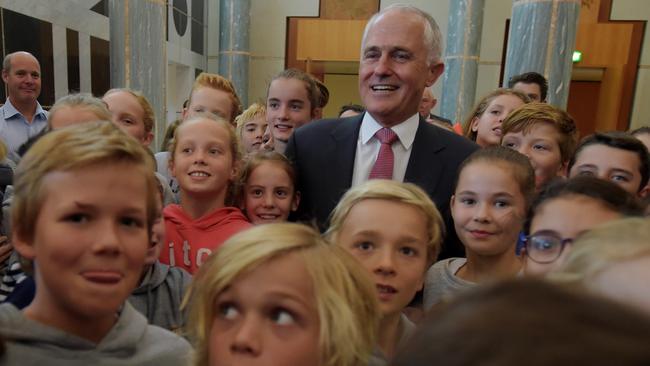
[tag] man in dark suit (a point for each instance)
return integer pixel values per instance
(400, 56)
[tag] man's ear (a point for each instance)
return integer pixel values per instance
(5, 75)
(435, 70)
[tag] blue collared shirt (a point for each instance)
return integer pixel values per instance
(15, 130)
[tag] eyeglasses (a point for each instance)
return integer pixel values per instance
(545, 247)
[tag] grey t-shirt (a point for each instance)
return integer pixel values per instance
(441, 282)
(407, 328)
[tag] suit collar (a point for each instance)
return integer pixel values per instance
(405, 130)
(424, 168)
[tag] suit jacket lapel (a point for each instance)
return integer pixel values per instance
(345, 136)
(424, 169)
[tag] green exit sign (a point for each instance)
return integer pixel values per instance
(577, 56)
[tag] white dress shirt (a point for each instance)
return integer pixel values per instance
(368, 147)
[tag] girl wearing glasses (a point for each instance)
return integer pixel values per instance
(566, 209)
(492, 194)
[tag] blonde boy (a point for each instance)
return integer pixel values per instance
(322, 282)
(251, 125)
(82, 213)
(395, 231)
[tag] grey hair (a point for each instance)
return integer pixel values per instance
(432, 35)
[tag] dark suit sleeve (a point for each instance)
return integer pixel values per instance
(292, 154)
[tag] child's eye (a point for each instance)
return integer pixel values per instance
(296, 107)
(186, 150)
(586, 173)
(281, 193)
(510, 145)
(127, 121)
(540, 147)
(467, 201)
(131, 222)
(619, 178)
(283, 317)
(501, 204)
(79, 218)
(364, 246)
(217, 114)
(228, 311)
(214, 151)
(408, 251)
(256, 192)
(274, 105)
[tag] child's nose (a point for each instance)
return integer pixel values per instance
(482, 212)
(385, 265)
(247, 339)
(268, 200)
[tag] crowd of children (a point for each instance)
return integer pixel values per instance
(118, 256)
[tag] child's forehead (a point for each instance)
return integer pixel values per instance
(258, 120)
(270, 169)
(383, 206)
(201, 127)
(285, 88)
(537, 128)
(612, 154)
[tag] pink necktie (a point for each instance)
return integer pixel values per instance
(383, 168)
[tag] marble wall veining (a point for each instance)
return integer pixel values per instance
(138, 53)
(234, 44)
(461, 58)
(542, 39)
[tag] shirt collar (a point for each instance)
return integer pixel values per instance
(405, 130)
(10, 110)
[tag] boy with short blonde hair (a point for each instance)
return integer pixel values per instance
(82, 213)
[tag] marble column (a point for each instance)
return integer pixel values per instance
(138, 56)
(542, 38)
(461, 58)
(234, 50)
